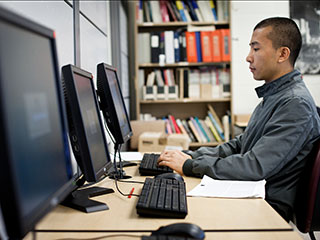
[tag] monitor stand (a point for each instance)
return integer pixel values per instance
(80, 199)
(118, 173)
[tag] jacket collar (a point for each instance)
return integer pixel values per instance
(277, 85)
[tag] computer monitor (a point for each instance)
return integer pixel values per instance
(35, 164)
(112, 103)
(86, 135)
(85, 125)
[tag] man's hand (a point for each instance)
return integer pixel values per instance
(173, 159)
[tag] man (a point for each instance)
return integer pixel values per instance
(282, 128)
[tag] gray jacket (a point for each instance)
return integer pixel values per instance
(279, 136)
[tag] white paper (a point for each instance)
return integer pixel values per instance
(128, 156)
(228, 189)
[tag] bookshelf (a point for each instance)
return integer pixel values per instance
(182, 107)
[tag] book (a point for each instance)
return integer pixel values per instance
(202, 130)
(207, 130)
(186, 12)
(176, 46)
(194, 131)
(181, 11)
(155, 9)
(181, 127)
(191, 47)
(197, 11)
(185, 82)
(213, 9)
(216, 126)
(164, 11)
(224, 75)
(168, 126)
(169, 46)
(198, 45)
(215, 115)
(159, 78)
(197, 127)
(226, 127)
(139, 9)
(206, 44)
(205, 10)
(151, 79)
(212, 129)
(225, 44)
(155, 46)
(146, 11)
(192, 12)
(171, 11)
(186, 127)
(144, 51)
(215, 82)
(194, 83)
(205, 83)
(216, 46)
(183, 46)
(175, 9)
(174, 123)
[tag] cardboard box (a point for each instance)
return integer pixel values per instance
(139, 127)
(159, 141)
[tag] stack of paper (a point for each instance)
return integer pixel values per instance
(228, 189)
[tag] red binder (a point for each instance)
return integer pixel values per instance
(191, 47)
(225, 45)
(216, 46)
(206, 44)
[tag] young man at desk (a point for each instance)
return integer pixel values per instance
(282, 128)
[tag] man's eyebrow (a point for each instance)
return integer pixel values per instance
(252, 44)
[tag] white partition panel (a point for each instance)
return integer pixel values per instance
(56, 15)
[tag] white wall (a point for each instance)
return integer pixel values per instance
(244, 16)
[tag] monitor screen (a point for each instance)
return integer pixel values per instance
(86, 129)
(112, 103)
(36, 171)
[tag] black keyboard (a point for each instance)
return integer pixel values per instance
(149, 165)
(164, 237)
(163, 198)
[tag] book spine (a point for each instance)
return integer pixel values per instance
(191, 135)
(202, 130)
(197, 127)
(191, 47)
(193, 129)
(213, 129)
(174, 123)
(216, 125)
(198, 46)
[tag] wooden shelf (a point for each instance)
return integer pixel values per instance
(186, 100)
(181, 64)
(179, 24)
(209, 144)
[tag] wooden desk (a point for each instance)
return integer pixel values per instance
(208, 213)
(209, 235)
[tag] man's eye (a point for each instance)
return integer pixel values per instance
(255, 49)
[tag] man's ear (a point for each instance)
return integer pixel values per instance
(284, 54)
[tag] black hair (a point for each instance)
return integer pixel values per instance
(284, 33)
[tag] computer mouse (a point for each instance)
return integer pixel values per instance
(188, 230)
(173, 176)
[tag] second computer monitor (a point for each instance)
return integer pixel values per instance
(112, 103)
(86, 129)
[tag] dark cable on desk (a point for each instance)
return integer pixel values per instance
(123, 194)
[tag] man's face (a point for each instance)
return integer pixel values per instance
(262, 56)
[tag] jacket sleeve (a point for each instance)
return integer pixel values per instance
(231, 147)
(283, 137)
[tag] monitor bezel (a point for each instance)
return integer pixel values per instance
(76, 125)
(107, 105)
(17, 226)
